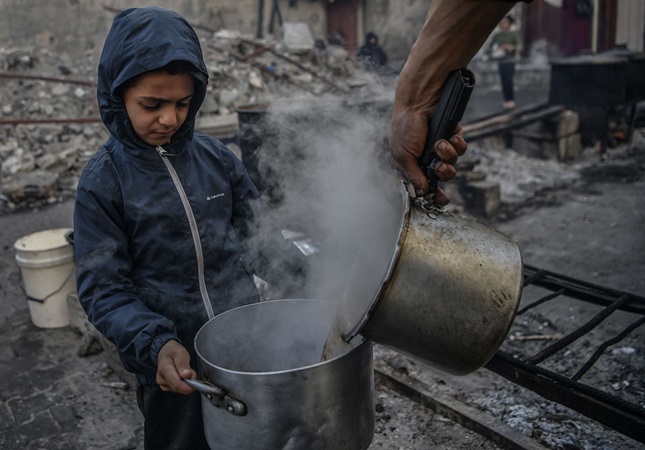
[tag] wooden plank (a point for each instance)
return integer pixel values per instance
(466, 416)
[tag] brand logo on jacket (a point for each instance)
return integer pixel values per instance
(211, 197)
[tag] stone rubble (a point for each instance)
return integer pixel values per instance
(40, 162)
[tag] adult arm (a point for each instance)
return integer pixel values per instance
(452, 34)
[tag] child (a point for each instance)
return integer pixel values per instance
(160, 219)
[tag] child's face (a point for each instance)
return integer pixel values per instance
(157, 105)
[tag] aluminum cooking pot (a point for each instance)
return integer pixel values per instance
(450, 286)
(263, 385)
(447, 294)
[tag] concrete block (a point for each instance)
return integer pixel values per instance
(570, 147)
(482, 198)
(530, 145)
(566, 124)
(297, 37)
(220, 126)
(494, 142)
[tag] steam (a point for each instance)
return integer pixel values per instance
(332, 181)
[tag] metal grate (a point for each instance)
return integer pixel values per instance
(615, 412)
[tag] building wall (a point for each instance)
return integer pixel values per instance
(630, 29)
(74, 26)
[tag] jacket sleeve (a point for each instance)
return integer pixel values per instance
(105, 288)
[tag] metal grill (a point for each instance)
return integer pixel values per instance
(620, 414)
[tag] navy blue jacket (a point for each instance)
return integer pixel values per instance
(136, 256)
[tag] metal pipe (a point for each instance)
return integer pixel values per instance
(571, 337)
(599, 351)
(594, 27)
(258, 32)
(48, 121)
(46, 78)
(544, 299)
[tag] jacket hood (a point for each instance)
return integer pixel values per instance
(141, 40)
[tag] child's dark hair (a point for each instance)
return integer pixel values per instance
(178, 67)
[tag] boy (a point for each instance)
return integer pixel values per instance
(160, 218)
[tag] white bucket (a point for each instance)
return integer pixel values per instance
(46, 261)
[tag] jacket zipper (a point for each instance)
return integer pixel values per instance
(193, 230)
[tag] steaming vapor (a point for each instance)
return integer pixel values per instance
(331, 179)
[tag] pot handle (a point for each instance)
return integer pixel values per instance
(452, 104)
(218, 396)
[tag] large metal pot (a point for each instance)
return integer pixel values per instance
(449, 291)
(264, 386)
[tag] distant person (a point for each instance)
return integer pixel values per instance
(371, 54)
(504, 49)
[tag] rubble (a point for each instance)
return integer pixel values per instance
(49, 121)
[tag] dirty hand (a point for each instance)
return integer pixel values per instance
(407, 139)
(173, 366)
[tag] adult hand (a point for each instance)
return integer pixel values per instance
(173, 366)
(440, 48)
(407, 139)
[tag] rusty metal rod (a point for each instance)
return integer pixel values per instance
(296, 63)
(600, 350)
(578, 333)
(261, 68)
(256, 65)
(47, 121)
(544, 299)
(251, 63)
(580, 290)
(46, 78)
(625, 417)
(533, 278)
(257, 52)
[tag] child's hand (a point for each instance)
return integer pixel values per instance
(173, 366)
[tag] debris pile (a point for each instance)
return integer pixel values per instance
(49, 121)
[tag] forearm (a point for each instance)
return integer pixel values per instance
(452, 34)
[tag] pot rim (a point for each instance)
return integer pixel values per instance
(394, 260)
(201, 357)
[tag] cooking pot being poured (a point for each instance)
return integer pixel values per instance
(438, 287)
(448, 294)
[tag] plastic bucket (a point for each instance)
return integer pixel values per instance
(46, 261)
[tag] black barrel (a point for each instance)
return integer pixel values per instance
(589, 80)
